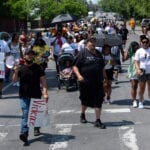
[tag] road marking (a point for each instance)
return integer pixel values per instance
(113, 110)
(61, 141)
(117, 110)
(65, 111)
(9, 125)
(128, 138)
(3, 135)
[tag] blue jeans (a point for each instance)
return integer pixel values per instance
(25, 105)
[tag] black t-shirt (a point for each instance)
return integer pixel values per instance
(124, 33)
(30, 81)
(90, 65)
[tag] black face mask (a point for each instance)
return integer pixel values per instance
(29, 61)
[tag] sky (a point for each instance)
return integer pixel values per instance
(94, 1)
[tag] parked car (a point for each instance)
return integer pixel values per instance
(146, 22)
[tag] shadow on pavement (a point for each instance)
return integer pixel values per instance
(52, 138)
(119, 123)
(10, 116)
(127, 102)
(116, 124)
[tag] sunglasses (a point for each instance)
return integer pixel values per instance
(145, 42)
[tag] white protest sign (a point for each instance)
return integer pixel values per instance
(38, 113)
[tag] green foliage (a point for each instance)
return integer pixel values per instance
(48, 9)
(127, 8)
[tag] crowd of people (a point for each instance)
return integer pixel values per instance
(95, 67)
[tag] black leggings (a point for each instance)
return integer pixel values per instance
(56, 62)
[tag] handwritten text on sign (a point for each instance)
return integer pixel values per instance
(37, 111)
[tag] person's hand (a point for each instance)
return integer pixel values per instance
(139, 72)
(80, 78)
(45, 96)
(16, 68)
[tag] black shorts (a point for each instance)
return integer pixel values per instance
(1, 80)
(144, 77)
(109, 73)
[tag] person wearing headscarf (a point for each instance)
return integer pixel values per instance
(132, 75)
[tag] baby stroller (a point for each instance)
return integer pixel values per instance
(66, 77)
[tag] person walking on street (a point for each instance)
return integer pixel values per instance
(30, 76)
(123, 31)
(41, 50)
(132, 24)
(15, 52)
(56, 44)
(142, 64)
(116, 52)
(89, 69)
(109, 67)
(4, 51)
(132, 75)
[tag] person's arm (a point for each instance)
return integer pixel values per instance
(126, 56)
(15, 77)
(137, 66)
(77, 73)
(104, 74)
(53, 42)
(44, 88)
(122, 51)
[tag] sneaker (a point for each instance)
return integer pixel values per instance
(134, 103)
(99, 124)
(144, 101)
(17, 84)
(141, 105)
(116, 80)
(82, 118)
(14, 84)
(108, 100)
(37, 131)
(24, 137)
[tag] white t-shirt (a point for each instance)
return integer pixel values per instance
(66, 47)
(107, 59)
(81, 45)
(4, 47)
(110, 30)
(143, 56)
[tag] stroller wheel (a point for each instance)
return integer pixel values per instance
(59, 84)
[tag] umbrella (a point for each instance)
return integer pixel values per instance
(5, 36)
(109, 39)
(63, 18)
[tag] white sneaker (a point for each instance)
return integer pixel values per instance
(17, 84)
(134, 103)
(141, 105)
(14, 84)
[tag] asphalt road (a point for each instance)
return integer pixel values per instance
(127, 127)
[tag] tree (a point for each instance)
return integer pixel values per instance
(127, 8)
